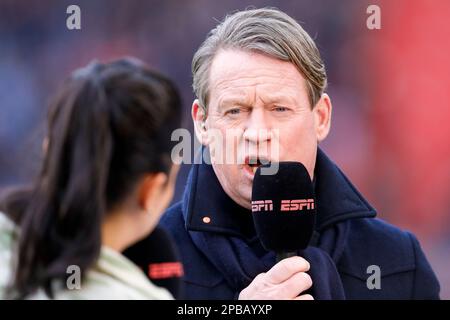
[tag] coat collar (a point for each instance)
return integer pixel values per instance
(206, 207)
(337, 198)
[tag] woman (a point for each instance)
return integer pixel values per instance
(106, 178)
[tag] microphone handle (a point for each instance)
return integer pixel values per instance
(285, 254)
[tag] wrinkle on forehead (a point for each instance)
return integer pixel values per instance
(247, 76)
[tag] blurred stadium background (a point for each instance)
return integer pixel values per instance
(389, 87)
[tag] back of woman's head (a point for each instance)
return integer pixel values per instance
(108, 125)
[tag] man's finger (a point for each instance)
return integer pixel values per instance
(286, 268)
(295, 285)
(305, 297)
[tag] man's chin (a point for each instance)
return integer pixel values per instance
(245, 197)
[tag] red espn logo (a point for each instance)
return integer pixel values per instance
(258, 205)
(294, 205)
(165, 270)
(286, 205)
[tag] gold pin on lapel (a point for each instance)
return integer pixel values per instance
(206, 219)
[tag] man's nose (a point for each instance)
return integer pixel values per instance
(257, 129)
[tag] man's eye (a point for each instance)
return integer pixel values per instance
(281, 109)
(234, 111)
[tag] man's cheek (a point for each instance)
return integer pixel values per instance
(225, 146)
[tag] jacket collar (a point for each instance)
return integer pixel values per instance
(206, 207)
(337, 198)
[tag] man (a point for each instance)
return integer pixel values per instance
(259, 79)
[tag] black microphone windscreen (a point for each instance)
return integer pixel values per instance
(160, 260)
(283, 207)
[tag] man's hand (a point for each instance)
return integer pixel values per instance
(285, 281)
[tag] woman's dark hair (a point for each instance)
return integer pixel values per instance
(108, 125)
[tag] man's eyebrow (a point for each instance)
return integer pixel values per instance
(279, 98)
(233, 101)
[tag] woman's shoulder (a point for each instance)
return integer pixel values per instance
(8, 235)
(102, 287)
(8, 232)
(6, 224)
(112, 277)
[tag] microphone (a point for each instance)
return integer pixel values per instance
(284, 208)
(159, 258)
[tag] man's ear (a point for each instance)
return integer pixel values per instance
(322, 117)
(199, 119)
(150, 189)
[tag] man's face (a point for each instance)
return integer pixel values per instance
(260, 107)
